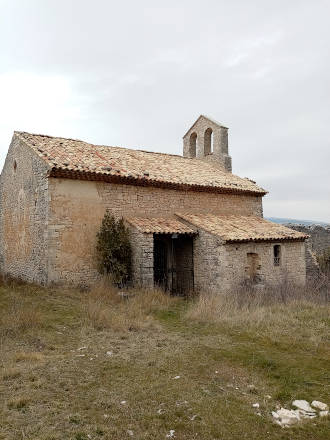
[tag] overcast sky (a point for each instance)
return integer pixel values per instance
(138, 73)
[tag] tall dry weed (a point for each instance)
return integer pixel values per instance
(107, 307)
(21, 317)
(272, 311)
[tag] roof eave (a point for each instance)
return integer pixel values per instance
(269, 240)
(111, 178)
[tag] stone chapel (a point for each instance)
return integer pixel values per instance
(193, 224)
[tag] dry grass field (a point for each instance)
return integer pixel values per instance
(96, 365)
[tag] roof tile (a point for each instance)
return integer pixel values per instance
(81, 160)
(160, 225)
(236, 228)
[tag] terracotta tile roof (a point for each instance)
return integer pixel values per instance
(235, 228)
(80, 160)
(160, 225)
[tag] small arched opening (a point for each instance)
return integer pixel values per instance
(208, 142)
(192, 144)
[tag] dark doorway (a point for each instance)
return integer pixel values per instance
(173, 263)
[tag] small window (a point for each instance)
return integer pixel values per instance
(15, 165)
(277, 254)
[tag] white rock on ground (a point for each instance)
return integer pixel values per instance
(170, 434)
(275, 415)
(303, 405)
(287, 417)
(305, 414)
(320, 405)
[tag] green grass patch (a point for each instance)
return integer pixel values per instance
(64, 377)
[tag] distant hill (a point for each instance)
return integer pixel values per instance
(297, 221)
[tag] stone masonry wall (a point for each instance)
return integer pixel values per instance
(77, 208)
(219, 155)
(292, 267)
(142, 258)
(208, 253)
(220, 267)
(23, 215)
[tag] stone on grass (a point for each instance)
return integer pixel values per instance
(256, 405)
(303, 405)
(275, 415)
(170, 434)
(286, 417)
(320, 405)
(305, 414)
(323, 413)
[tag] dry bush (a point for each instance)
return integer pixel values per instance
(10, 373)
(273, 310)
(29, 356)
(18, 403)
(107, 307)
(20, 318)
(324, 261)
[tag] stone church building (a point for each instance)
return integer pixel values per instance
(193, 224)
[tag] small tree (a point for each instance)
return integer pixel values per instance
(114, 250)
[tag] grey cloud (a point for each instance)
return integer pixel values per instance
(139, 73)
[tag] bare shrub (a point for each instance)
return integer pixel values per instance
(324, 261)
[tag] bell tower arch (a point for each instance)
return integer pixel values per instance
(208, 140)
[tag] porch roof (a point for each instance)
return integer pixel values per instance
(237, 228)
(160, 225)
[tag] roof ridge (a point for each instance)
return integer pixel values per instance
(99, 145)
(49, 136)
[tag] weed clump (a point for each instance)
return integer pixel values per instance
(20, 318)
(107, 307)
